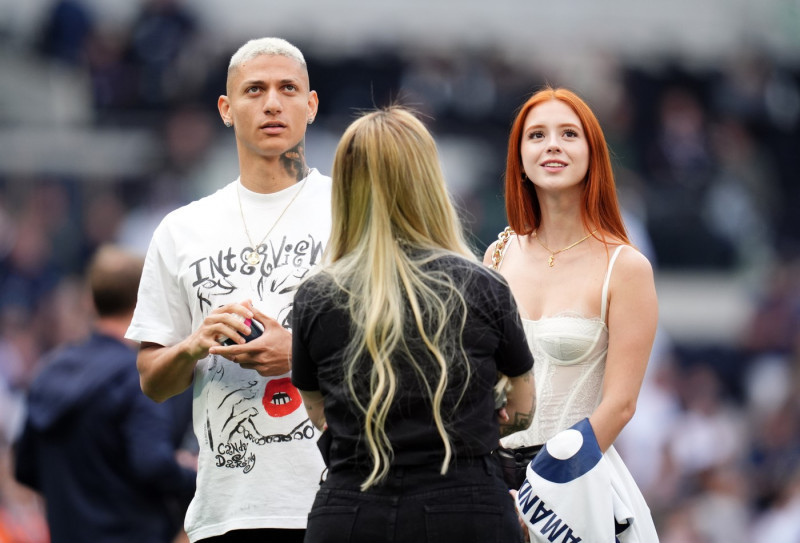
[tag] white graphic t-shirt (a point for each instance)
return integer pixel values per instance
(259, 466)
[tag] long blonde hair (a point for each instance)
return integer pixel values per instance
(392, 215)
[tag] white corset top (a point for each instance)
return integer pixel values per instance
(569, 352)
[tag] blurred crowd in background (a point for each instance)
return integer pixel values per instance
(104, 129)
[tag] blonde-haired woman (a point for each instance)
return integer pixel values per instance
(396, 347)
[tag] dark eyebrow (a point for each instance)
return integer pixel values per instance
(262, 83)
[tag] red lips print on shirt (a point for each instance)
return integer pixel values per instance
(281, 397)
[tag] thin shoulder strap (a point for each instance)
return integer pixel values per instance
(604, 301)
(500, 248)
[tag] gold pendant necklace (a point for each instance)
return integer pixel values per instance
(552, 260)
(254, 257)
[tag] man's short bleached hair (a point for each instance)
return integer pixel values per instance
(265, 46)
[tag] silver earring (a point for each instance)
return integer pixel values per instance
(228, 124)
(310, 121)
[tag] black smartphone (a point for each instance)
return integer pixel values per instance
(256, 330)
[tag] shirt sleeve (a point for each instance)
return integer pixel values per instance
(162, 313)
(25, 458)
(304, 369)
(513, 354)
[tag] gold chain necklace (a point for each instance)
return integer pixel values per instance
(254, 257)
(551, 261)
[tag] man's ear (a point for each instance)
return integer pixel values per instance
(313, 104)
(224, 107)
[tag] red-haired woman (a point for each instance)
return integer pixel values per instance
(586, 296)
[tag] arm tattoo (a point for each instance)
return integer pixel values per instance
(294, 161)
(313, 414)
(520, 422)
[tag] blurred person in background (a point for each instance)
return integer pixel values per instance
(65, 31)
(21, 511)
(591, 331)
(779, 523)
(101, 453)
(225, 267)
(396, 347)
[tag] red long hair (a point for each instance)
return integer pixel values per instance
(600, 206)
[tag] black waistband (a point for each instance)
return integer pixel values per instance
(458, 468)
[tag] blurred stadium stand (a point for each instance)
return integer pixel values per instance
(108, 121)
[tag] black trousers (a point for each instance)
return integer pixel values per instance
(471, 503)
(266, 535)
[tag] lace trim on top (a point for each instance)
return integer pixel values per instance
(569, 353)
